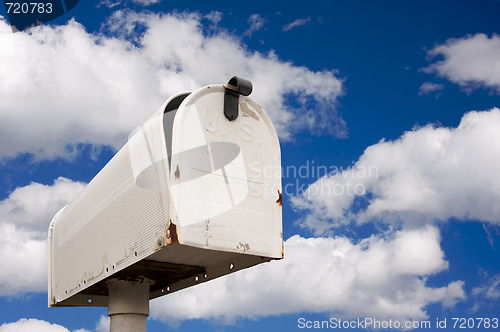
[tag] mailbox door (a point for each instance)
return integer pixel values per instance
(225, 176)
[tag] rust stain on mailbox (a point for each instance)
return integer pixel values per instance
(172, 233)
(279, 202)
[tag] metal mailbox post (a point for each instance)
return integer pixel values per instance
(195, 194)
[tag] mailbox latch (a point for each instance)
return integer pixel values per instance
(234, 88)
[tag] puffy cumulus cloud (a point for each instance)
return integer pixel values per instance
(23, 260)
(103, 324)
(428, 173)
(24, 220)
(471, 61)
(192, 57)
(61, 85)
(30, 325)
(33, 206)
(382, 276)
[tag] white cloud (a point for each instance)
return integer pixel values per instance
(487, 294)
(103, 324)
(33, 206)
(470, 62)
(256, 23)
(30, 325)
(146, 2)
(214, 17)
(428, 87)
(489, 236)
(61, 86)
(490, 290)
(428, 173)
(109, 3)
(381, 276)
(24, 220)
(297, 23)
(23, 261)
(114, 3)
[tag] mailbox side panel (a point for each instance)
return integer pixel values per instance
(226, 176)
(116, 221)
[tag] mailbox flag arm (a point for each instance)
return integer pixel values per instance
(234, 88)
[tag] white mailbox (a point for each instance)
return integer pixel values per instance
(194, 194)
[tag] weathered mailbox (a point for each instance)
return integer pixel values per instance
(195, 194)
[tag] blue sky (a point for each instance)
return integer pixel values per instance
(387, 113)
